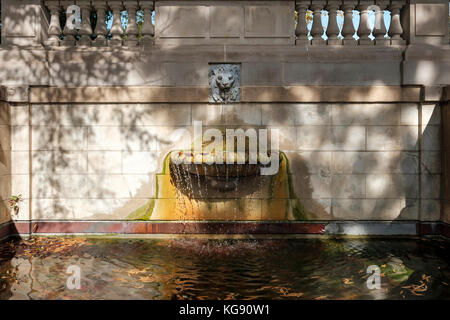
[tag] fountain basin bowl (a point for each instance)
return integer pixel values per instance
(183, 161)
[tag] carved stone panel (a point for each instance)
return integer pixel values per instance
(185, 21)
(226, 21)
(14, 93)
(268, 21)
(224, 83)
(431, 19)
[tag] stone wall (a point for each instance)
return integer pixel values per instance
(5, 161)
(349, 161)
(446, 156)
(360, 121)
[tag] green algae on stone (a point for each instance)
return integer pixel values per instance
(144, 212)
(292, 193)
(299, 212)
(166, 164)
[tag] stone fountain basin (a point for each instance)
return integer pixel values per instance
(217, 170)
(222, 170)
(219, 176)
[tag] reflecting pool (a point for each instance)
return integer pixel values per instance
(224, 269)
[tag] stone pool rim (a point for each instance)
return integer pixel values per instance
(225, 228)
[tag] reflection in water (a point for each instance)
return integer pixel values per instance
(223, 269)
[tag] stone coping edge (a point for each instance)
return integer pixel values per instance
(350, 228)
(274, 94)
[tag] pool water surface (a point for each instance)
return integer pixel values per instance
(37, 268)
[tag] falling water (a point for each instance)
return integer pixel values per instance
(205, 170)
(180, 198)
(198, 181)
(218, 187)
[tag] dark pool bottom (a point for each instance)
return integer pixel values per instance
(224, 269)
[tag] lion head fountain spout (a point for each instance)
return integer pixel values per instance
(224, 82)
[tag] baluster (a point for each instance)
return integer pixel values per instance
(348, 30)
(301, 31)
(333, 28)
(379, 33)
(131, 30)
(85, 28)
(54, 29)
(116, 29)
(69, 34)
(364, 29)
(147, 27)
(395, 30)
(100, 29)
(317, 29)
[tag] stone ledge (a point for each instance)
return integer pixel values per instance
(119, 94)
(331, 94)
(162, 227)
(215, 53)
(344, 228)
(132, 94)
(423, 51)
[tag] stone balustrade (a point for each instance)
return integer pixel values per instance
(302, 22)
(97, 33)
(343, 32)
(340, 28)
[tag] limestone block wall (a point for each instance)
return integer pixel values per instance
(446, 157)
(5, 161)
(348, 161)
(20, 158)
(353, 160)
(431, 161)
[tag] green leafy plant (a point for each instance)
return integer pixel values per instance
(14, 203)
